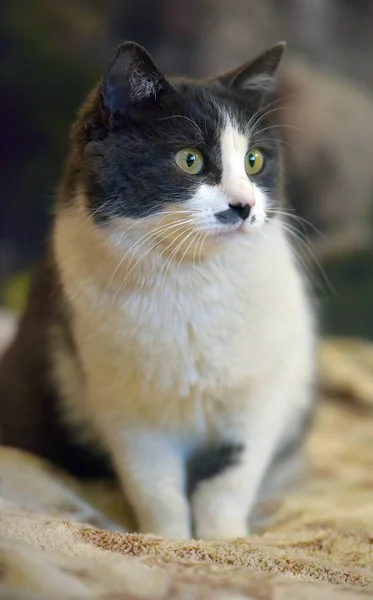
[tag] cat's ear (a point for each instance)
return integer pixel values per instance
(131, 81)
(258, 75)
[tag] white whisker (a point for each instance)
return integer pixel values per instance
(150, 234)
(199, 229)
(302, 221)
(187, 119)
(135, 265)
(306, 247)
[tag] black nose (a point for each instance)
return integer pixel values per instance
(242, 211)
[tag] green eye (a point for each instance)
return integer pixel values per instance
(189, 160)
(254, 162)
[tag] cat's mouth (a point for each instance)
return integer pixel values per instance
(235, 215)
(228, 224)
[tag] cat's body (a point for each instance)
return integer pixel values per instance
(190, 324)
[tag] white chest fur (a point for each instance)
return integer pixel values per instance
(182, 351)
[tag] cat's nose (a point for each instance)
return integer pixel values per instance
(242, 210)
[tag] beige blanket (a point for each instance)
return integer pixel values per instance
(58, 540)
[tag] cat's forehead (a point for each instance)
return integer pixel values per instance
(203, 100)
(210, 105)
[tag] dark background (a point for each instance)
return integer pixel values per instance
(53, 52)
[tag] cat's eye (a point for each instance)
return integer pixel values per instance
(254, 162)
(190, 160)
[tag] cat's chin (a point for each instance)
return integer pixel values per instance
(219, 239)
(230, 233)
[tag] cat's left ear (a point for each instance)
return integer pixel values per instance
(258, 75)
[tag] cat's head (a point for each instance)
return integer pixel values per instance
(169, 163)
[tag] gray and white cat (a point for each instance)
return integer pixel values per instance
(169, 319)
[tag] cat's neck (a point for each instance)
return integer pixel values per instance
(87, 261)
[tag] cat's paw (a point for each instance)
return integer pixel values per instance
(221, 525)
(219, 514)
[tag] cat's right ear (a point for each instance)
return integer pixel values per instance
(132, 81)
(258, 75)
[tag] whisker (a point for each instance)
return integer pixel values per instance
(203, 241)
(136, 222)
(172, 254)
(198, 230)
(135, 265)
(145, 238)
(301, 260)
(263, 108)
(168, 262)
(266, 114)
(187, 119)
(157, 229)
(195, 249)
(306, 246)
(294, 128)
(166, 266)
(302, 220)
(279, 140)
(165, 250)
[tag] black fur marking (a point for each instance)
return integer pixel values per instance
(227, 217)
(209, 462)
(242, 211)
(233, 214)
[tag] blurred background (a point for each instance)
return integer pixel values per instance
(53, 53)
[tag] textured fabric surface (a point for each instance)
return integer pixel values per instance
(58, 538)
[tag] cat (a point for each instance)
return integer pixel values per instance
(169, 323)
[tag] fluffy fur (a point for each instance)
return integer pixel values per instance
(190, 331)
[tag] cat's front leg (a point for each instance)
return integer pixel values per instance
(222, 505)
(151, 468)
